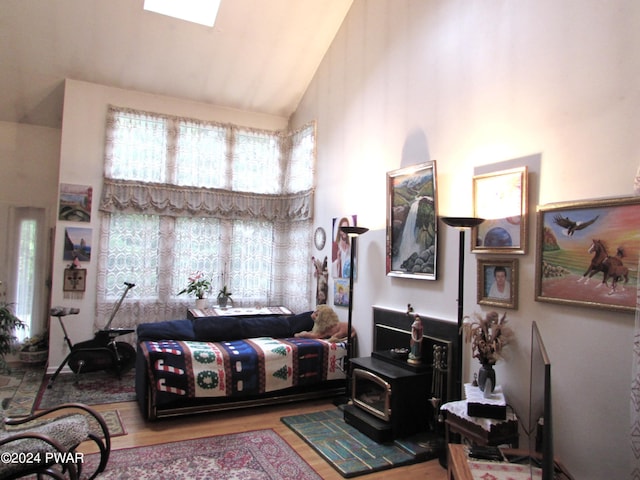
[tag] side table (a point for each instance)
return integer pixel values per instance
(479, 430)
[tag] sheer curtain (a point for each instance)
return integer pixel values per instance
(181, 195)
(26, 251)
(635, 373)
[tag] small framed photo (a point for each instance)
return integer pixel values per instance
(501, 199)
(75, 280)
(587, 253)
(341, 292)
(498, 283)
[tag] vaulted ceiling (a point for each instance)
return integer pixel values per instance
(260, 56)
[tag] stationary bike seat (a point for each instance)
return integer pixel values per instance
(63, 311)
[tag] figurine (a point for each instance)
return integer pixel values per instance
(415, 346)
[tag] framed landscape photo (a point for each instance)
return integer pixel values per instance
(501, 199)
(587, 253)
(75, 202)
(498, 283)
(412, 222)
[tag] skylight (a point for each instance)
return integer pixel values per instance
(198, 11)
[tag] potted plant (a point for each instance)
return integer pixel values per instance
(488, 337)
(199, 286)
(8, 324)
(223, 296)
(35, 350)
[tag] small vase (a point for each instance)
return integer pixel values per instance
(486, 378)
(201, 303)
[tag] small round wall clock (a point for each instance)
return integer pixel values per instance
(320, 238)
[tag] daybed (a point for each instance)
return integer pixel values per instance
(221, 363)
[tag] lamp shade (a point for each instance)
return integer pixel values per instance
(462, 222)
(354, 231)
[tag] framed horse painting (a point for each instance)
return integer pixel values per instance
(587, 253)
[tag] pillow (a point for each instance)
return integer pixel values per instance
(167, 330)
(217, 329)
(301, 322)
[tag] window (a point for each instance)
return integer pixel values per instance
(26, 279)
(182, 195)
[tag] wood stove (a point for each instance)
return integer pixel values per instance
(391, 398)
(388, 401)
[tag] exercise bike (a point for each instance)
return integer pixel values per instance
(102, 352)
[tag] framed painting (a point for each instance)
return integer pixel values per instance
(501, 199)
(412, 222)
(587, 253)
(341, 292)
(77, 244)
(75, 202)
(498, 283)
(74, 279)
(341, 248)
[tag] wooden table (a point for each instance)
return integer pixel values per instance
(458, 464)
(481, 430)
(499, 432)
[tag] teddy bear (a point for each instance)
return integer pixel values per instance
(326, 325)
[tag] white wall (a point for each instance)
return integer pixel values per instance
(470, 83)
(81, 162)
(29, 160)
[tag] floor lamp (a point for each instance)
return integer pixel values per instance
(461, 223)
(353, 233)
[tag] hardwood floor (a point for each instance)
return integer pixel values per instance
(141, 432)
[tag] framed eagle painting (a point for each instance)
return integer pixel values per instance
(587, 253)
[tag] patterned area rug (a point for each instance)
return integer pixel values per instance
(18, 395)
(348, 450)
(93, 388)
(111, 418)
(259, 454)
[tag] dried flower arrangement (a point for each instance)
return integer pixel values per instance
(488, 336)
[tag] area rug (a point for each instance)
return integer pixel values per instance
(348, 450)
(19, 394)
(92, 388)
(9, 383)
(111, 418)
(259, 454)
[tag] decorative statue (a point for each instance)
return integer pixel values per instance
(322, 285)
(415, 346)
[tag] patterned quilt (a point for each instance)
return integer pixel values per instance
(240, 367)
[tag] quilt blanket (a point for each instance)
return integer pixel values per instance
(241, 367)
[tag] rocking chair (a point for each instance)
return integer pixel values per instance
(45, 443)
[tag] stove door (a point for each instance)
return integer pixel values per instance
(371, 393)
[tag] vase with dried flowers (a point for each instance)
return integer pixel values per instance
(488, 337)
(199, 285)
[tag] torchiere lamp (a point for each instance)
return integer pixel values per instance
(461, 223)
(353, 233)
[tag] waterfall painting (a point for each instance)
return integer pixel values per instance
(411, 222)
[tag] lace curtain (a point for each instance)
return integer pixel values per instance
(181, 195)
(634, 430)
